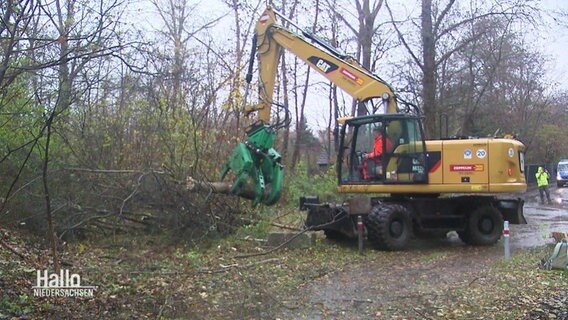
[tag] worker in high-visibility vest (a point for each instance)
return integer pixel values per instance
(542, 177)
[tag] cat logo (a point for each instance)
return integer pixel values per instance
(322, 64)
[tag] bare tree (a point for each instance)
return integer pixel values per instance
(59, 42)
(300, 115)
(179, 30)
(286, 86)
(366, 32)
(442, 35)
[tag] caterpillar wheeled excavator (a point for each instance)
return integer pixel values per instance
(417, 187)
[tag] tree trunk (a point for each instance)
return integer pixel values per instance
(429, 70)
(300, 116)
(51, 228)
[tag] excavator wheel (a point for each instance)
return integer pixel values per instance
(464, 236)
(389, 227)
(484, 227)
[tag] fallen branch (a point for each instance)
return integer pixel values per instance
(225, 268)
(133, 193)
(283, 226)
(248, 238)
(275, 248)
(422, 314)
(14, 251)
(162, 307)
(357, 300)
(291, 239)
(109, 171)
(472, 281)
(19, 254)
(194, 185)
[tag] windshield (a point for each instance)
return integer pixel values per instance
(383, 150)
(563, 167)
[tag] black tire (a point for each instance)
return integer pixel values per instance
(334, 235)
(389, 227)
(559, 185)
(484, 227)
(463, 236)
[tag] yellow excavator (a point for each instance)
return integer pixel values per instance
(416, 187)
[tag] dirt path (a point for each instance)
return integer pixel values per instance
(394, 288)
(429, 274)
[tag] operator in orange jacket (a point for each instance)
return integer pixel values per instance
(378, 146)
(376, 155)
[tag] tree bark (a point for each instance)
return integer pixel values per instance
(429, 70)
(194, 185)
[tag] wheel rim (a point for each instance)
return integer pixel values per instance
(396, 228)
(486, 225)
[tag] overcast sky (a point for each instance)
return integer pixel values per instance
(555, 43)
(552, 40)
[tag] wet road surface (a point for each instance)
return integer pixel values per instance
(542, 220)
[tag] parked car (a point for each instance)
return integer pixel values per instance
(562, 173)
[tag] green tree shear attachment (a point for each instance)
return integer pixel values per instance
(255, 163)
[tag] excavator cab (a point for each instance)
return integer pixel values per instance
(399, 158)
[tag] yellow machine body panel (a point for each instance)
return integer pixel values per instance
(488, 165)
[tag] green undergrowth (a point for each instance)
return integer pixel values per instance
(301, 182)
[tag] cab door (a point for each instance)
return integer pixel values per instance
(407, 159)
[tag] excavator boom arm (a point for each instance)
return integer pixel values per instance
(343, 71)
(255, 161)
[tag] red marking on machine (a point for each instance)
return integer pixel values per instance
(435, 166)
(351, 76)
(264, 18)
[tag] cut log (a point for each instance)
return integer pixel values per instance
(194, 185)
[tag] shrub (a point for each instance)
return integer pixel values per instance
(301, 182)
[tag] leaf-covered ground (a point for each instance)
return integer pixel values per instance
(149, 278)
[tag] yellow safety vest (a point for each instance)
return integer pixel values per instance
(542, 178)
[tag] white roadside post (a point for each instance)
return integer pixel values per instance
(506, 240)
(360, 230)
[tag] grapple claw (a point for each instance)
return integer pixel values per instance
(257, 161)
